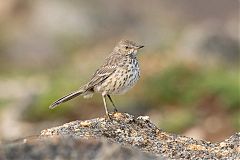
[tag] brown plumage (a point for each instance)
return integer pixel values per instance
(118, 74)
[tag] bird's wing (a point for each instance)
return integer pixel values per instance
(108, 68)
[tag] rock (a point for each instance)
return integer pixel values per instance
(68, 148)
(101, 137)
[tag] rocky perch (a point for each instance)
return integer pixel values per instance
(121, 137)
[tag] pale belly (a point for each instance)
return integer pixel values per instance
(120, 82)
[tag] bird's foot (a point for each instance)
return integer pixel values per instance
(115, 110)
(108, 116)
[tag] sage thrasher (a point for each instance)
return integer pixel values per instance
(117, 75)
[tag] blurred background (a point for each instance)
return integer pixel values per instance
(189, 82)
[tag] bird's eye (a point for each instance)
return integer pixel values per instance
(126, 47)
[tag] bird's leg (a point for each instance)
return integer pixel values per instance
(105, 105)
(115, 108)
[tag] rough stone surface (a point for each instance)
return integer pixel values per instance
(141, 133)
(98, 138)
(67, 148)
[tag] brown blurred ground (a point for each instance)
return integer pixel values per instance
(190, 65)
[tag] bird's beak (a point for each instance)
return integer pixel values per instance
(139, 47)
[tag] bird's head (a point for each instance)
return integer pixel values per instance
(127, 47)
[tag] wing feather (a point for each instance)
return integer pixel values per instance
(108, 68)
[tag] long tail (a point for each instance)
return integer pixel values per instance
(66, 98)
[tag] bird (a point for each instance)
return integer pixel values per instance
(119, 73)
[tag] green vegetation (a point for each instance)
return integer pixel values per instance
(177, 120)
(188, 89)
(183, 85)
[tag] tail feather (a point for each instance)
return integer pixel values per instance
(66, 98)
